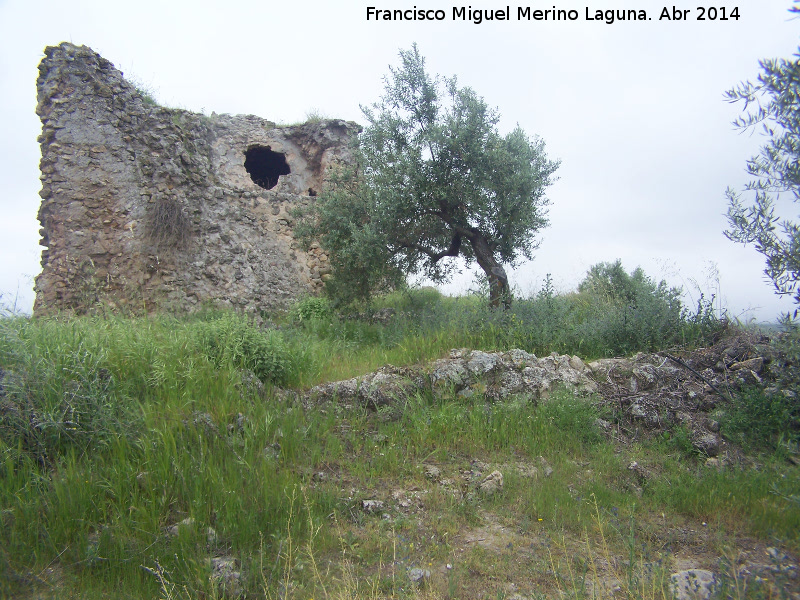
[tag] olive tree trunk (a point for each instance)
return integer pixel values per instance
(499, 292)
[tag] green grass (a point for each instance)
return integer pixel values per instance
(115, 429)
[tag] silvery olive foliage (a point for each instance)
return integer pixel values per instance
(432, 179)
(772, 104)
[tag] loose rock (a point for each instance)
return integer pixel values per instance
(693, 584)
(417, 575)
(492, 483)
(432, 472)
(224, 572)
(372, 506)
(175, 530)
(707, 443)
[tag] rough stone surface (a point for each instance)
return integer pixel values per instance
(432, 472)
(694, 584)
(386, 386)
(146, 207)
(175, 530)
(498, 376)
(644, 393)
(492, 483)
(754, 364)
(225, 573)
(372, 506)
(417, 575)
(707, 443)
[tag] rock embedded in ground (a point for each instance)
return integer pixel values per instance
(498, 376)
(577, 364)
(602, 423)
(645, 415)
(645, 392)
(432, 472)
(527, 471)
(386, 386)
(780, 563)
(448, 375)
(225, 574)
(372, 506)
(175, 530)
(211, 536)
(641, 474)
(481, 363)
(143, 480)
(754, 364)
(546, 468)
(417, 575)
(693, 584)
(204, 421)
(492, 483)
(707, 443)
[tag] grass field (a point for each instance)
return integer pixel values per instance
(163, 457)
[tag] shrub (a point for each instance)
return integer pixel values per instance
(57, 397)
(315, 115)
(231, 340)
(144, 90)
(762, 418)
(311, 307)
(787, 351)
(765, 417)
(626, 313)
(680, 440)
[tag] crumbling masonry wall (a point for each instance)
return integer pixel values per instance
(147, 208)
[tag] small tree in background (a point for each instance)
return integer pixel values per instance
(432, 179)
(774, 104)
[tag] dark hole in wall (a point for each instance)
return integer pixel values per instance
(265, 166)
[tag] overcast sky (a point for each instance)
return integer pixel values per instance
(633, 109)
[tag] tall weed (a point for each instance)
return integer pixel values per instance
(57, 390)
(232, 340)
(761, 419)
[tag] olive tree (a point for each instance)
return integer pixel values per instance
(431, 179)
(773, 105)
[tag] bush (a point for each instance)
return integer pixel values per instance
(630, 312)
(765, 417)
(613, 313)
(762, 418)
(312, 307)
(787, 351)
(627, 313)
(231, 340)
(58, 397)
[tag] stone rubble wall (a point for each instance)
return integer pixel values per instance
(151, 208)
(645, 392)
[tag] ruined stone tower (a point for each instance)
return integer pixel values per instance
(147, 208)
